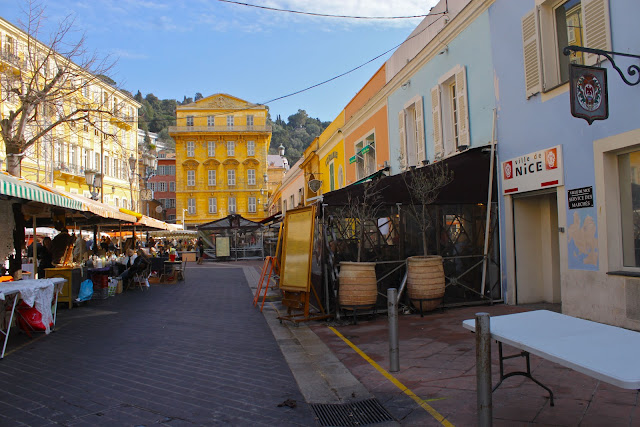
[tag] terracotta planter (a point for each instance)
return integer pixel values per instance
(425, 281)
(358, 287)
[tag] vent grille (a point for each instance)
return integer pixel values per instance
(351, 414)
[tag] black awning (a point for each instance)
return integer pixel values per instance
(470, 182)
(230, 222)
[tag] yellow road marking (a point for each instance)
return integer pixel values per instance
(435, 414)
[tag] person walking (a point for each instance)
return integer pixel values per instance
(200, 250)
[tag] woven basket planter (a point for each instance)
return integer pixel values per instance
(425, 281)
(358, 286)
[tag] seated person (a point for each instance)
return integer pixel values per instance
(140, 263)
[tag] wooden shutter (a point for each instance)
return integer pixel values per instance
(463, 107)
(419, 111)
(531, 51)
(437, 123)
(404, 161)
(596, 27)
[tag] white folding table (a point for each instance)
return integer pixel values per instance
(41, 293)
(607, 353)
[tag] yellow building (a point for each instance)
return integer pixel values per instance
(103, 144)
(324, 163)
(221, 159)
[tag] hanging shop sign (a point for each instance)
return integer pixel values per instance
(589, 95)
(534, 171)
(580, 198)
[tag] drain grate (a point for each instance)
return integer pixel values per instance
(365, 412)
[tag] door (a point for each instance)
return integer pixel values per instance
(537, 248)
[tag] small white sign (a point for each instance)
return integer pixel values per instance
(533, 171)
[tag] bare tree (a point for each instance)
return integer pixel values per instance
(51, 88)
(424, 186)
(361, 212)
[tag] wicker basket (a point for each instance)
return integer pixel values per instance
(425, 281)
(358, 286)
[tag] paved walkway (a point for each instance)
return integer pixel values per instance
(195, 353)
(437, 367)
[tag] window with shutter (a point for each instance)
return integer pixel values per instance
(191, 178)
(252, 204)
(231, 202)
(251, 177)
(553, 25)
(231, 178)
(211, 148)
(213, 205)
(212, 178)
(413, 150)
(450, 111)
(403, 140)
(438, 146)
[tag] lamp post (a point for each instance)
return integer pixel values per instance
(94, 181)
(183, 225)
(132, 169)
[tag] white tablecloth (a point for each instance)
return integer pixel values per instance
(34, 291)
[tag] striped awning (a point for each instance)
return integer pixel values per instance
(28, 190)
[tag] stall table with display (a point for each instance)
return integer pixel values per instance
(37, 293)
(73, 277)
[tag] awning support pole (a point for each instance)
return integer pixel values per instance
(487, 225)
(35, 251)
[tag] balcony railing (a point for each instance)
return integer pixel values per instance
(12, 58)
(177, 129)
(69, 168)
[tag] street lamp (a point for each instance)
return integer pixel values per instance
(183, 225)
(94, 181)
(132, 168)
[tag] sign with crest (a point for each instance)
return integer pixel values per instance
(589, 97)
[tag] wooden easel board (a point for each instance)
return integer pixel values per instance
(295, 270)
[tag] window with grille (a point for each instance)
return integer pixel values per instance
(191, 178)
(211, 121)
(163, 185)
(189, 120)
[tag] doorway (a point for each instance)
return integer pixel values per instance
(537, 250)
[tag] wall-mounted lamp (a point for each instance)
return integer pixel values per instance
(281, 150)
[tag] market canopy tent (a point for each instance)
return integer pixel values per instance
(469, 185)
(23, 189)
(230, 222)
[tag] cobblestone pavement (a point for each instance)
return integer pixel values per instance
(194, 353)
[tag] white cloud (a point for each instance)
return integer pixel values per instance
(121, 53)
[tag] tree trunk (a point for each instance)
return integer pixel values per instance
(14, 164)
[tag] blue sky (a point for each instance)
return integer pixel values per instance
(173, 48)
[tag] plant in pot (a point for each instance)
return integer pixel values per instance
(425, 273)
(357, 280)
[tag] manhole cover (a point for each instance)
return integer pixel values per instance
(351, 414)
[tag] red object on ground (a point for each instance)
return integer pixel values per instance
(30, 319)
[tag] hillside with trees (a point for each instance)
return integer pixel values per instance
(156, 115)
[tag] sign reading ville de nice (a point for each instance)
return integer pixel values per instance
(533, 171)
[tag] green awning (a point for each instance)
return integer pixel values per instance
(28, 190)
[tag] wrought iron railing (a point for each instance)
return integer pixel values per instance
(177, 129)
